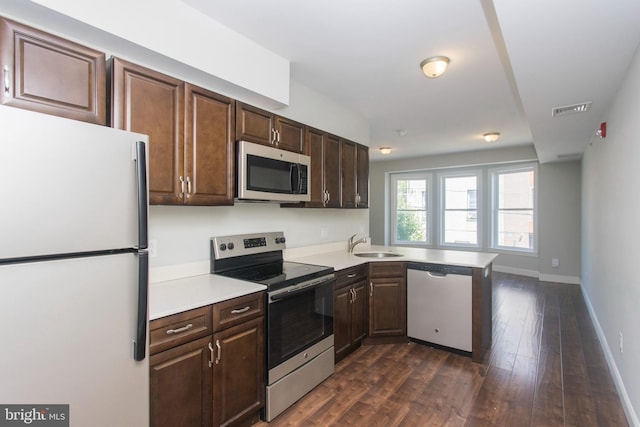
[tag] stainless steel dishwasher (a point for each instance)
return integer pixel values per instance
(439, 304)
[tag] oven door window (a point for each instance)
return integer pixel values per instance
(298, 322)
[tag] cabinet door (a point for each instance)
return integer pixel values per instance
(254, 124)
(290, 135)
(180, 386)
(342, 321)
(387, 307)
(149, 102)
(362, 176)
(332, 171)
(359, 313)
(316, 150)
(209, 150)
(45, 73)
(238, 372)
(348, 168)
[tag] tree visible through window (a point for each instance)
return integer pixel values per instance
(411, 210)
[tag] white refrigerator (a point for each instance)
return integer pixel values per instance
(73, 271)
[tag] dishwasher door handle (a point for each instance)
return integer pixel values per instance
(436, 274)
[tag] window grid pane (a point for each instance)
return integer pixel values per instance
(460, 210)
(514, 214)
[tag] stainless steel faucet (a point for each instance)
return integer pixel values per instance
(351, 244)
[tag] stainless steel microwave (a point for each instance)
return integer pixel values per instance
(269, 174)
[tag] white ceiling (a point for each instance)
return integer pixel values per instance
(511, 63)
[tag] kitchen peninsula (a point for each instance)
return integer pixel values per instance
(480, 264)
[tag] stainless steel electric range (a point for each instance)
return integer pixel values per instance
(299, 313)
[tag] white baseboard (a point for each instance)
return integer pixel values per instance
(542, 277)
(632, 417)
(518, 271)
(559, 279)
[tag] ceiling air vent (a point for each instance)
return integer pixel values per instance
(571, 109)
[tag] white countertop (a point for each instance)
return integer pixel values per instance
(340, 259)
(182, 294)
(175, 296)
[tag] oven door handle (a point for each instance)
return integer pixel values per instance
(294, 292)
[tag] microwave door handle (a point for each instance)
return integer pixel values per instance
(295, 178)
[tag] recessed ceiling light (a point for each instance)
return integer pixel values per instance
(491, 136)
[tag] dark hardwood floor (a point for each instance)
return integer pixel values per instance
(545, 368)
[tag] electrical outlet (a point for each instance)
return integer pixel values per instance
(555, 262)
(153, 248)
(621, 342)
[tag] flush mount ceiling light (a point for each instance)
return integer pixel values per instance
(385, 150)
(491, 136)
(435, 66)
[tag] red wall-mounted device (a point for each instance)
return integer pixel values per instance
(602, 132)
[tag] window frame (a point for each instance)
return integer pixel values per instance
(494, 174)
(428, 178)
(442, 177)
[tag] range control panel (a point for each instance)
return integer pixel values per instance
(245, 244)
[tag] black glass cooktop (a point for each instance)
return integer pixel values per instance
(278, 275)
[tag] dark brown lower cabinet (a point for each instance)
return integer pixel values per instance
(238, 373)
(349, 310)
(180, 384)
(387, 300)
(215, 380)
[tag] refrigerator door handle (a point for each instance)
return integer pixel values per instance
(140, 344)
(141, 175)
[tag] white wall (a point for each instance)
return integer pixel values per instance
(183, 232)
(610, 233)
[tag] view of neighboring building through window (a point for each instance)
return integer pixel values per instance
(513, 212)
(410, 210)
(459, 210)
(501, 216)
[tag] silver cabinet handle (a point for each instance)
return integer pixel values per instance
(211, 356)
(328, 197)
(277, 132)
(178, 330)
(188, 186)
(181, 180)
(370, 289)
(351, 276)
(354, 296)
(7, 83)
(219, 351)
(240, 310)
(273, 136)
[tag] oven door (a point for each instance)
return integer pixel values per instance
(298, 317)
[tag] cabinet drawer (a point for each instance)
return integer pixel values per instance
(387, 269)
(179, 328)
(237, 310)
(347, 276)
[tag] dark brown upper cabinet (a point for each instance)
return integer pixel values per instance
(191, 134)
(48, 74)
(262, 127)
(355, 174)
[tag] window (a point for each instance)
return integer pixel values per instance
(410, 209)
(514, 202)
(459, 209)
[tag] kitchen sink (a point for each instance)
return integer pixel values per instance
(377, 254)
